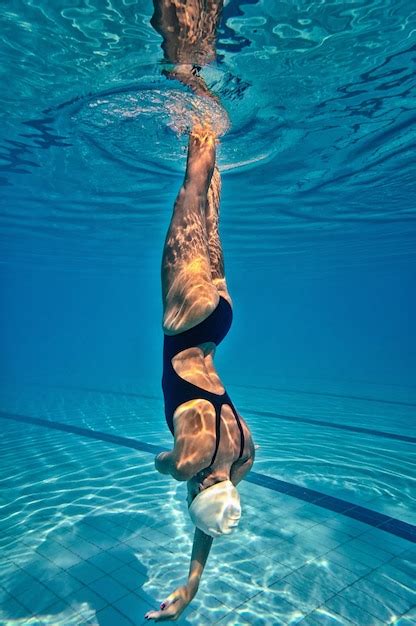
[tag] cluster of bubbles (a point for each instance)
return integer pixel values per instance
(176, 109)
(143, 123)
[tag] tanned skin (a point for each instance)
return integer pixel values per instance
(193, 279)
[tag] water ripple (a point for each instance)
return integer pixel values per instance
(320, 99)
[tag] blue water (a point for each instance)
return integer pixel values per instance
(318, 228)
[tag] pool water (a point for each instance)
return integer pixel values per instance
(318, 228)
(91, 534)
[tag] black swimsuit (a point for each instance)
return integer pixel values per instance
(177, 390)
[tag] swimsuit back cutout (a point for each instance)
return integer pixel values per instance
(177, 390)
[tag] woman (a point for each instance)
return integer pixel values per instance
(213, 448)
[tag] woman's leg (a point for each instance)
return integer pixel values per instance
(188, 29)
(216, 256)
(188, 292)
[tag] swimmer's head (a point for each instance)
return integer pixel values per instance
(216, 510)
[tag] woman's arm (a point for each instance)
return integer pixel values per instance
(238, 471)
(190, 454)
(200, 551)
(165, 463)
(178, 600)
(176, 464)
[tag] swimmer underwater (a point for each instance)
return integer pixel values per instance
(213, 447)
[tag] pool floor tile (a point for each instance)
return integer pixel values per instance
(374, 551)
(134, 607)
(85, 572)
(63, 585)
(12, 610)
(157, 537)
(87, 596)
(350, 552)
(355, 614)
(97, 538)
(294, 553)
(212, 615)
(405, 564)
(232, 596)
(324, 535)
(302, 519)
(105, 562)
(108, 528)
(137, 542)
(355, 567)
(9, 566)
(197, 619)
(18, 581)
(348, 525)
(165, 528)
(137, 565)
(368, 603)
(381, 539)
(207, 603)
(408, 619)
(248, 567)
(37, 598)
(233, 618)
(111, 617)
(288, 527)
(248, 583)
(81, 547)
(393, 601)
(315, 513)
(42, 569)
(58, 554)
(60, 607)
(269, 542)
(109, 589)
(325, 617)
(129, 578)
(270, 602)
(306, 592)
(395, 580)
(332, 576)
(122, 552)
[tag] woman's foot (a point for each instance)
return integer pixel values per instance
(189, 75)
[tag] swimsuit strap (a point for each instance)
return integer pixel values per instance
(218, 428)
(240, 428)
(217, 431)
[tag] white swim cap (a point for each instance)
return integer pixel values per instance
(216, 510)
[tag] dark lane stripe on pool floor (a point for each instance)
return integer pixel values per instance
(360, 513)
(343, 507)
(327, 394)
(354, 429)
(270, 414)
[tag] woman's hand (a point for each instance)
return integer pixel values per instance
(172, 607)
(175, 604)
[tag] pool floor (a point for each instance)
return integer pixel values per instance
(91, 534)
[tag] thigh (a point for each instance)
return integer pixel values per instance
(189, 295)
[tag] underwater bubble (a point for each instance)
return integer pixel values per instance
(148, 125)
(174, 109)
